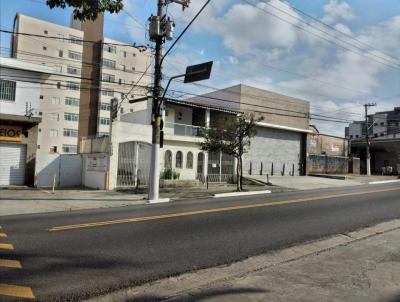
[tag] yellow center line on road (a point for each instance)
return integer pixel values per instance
(16, 291)
(10, 263)
(214, 210)
(3, 235)
(6, 246)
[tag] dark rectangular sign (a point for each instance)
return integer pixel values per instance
(198, 72)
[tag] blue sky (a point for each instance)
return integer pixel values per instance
(249, 45)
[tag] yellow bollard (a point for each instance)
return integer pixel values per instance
(54, 182)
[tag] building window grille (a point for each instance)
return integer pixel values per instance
(73, 70)
(73, 117)
(108, 77)
(179, 159)
(104, 121)
(7, 90)
(107, 92)
(69, 148)
(109, 63)
(189, 160)
(70, 132)
(168, 159)
(73, 85)
(103, 134)
(110, 48)
(75, 40)
(71, 101)
(104, 106)
(74, 55)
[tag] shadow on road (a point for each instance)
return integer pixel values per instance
(395, 298)
(199, 296)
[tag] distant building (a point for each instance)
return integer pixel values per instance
(384, 133)
(20, 95)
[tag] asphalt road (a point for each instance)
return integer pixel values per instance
(74, 255)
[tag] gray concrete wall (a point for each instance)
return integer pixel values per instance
(273, 146)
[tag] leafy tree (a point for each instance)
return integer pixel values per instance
(88, 9)
(232, 137)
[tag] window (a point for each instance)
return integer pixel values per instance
(74, 55)
(122, 67)
(351, 136)
(179, 159)
(69, 148)
(60, 53)
(44, 48)
(70, 132)
(7, 90)
(109, 63)
(71, 101)
(108, 77)
(104, 106)
(104, 121)
(123, 53)
(75, 40)
(53, 133)
(382, 124)
(168, 159)
(45, 32)
(133, 68)
(54, 116)
(58, 85)
(382, 134)
(55, 100)
(102, 134)
(107, 92)
(189, 160)
(110, 48)
(73, 85)
(73, 117)
(134, 54)
(357, 135)
(73, 70)
(58, 68)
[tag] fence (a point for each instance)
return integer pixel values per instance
(95, 145)
(327, 164)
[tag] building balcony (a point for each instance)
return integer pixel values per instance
(184, 130)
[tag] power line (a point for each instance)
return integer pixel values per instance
(314, 34)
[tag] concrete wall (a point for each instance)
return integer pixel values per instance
(327, 164)
(67, 169)
(274, 146)
(324, 144)
(94, 170)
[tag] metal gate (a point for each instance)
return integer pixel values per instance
(133, 164)
(12, 164)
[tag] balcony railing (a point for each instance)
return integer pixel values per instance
(185, 130)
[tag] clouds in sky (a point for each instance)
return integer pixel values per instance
(252, 39)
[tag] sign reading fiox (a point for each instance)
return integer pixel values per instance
(10, 133)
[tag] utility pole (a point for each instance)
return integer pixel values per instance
(367, 127)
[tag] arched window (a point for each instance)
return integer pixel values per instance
(179, 159)
(189, 160)
(168, 159)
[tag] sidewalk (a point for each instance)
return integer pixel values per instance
(358, 266)
(31, 200)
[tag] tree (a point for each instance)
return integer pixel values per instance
(88, 9)
(232, 137)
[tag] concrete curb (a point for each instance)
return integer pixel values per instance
(171, 287)
(233, 194)
(383, 182)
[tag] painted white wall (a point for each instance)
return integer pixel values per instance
(94, 172)
(26, 94)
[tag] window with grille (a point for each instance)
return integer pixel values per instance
(104, 106)
(7, 90)
(107, 92)
(168, 159)
(74, 55)
(75, 40)
(71, 101)
(189, 160)
(70, 132)
(55, 100)
(109, 63)
(110, 48)
(69, 148)
(73, 86)
(53, 133)
(108, 77)
(73, 70)
(179, 159)
(104, 121)
(73, 117)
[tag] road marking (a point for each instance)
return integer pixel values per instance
(10, 263)
(16, 291)
(3, 235)
(6, 246)
(207, 211)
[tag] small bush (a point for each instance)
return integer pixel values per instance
(169, 173)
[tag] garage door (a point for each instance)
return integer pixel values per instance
(12, 164)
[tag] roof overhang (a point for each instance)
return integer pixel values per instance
(268, 125)
(195, 105)
(23, 65)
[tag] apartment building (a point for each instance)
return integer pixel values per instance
(75, 100)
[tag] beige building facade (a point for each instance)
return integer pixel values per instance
(80, 90)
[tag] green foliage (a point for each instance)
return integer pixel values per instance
(88, 9)
(169, 173)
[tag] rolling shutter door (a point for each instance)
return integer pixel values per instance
(12, 164)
